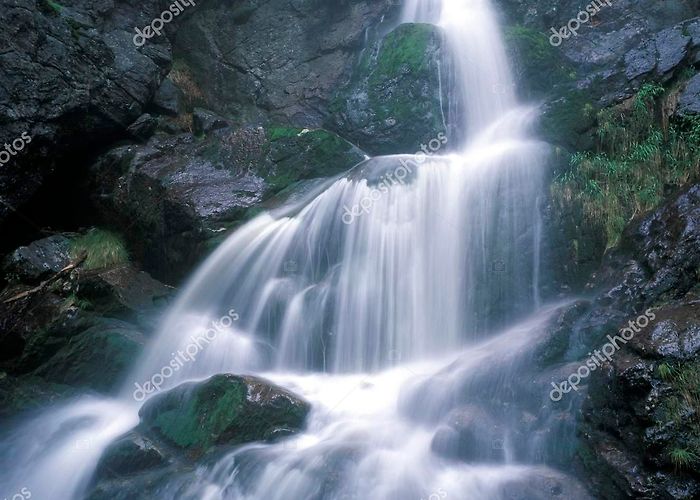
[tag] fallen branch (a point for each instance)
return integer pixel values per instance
(41, 286)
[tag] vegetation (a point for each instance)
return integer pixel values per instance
(182, 76)
(54, 6)
(682, 409)
(640, 152)
(104, 249)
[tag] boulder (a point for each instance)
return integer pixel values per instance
(205, 121)
(392, 103)
(224, 410)
(38, 260)
(689, 100)
(96, 358)
(130, 454)
(173, 194)
(168, 100)
(470, 434)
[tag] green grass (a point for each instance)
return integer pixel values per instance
(56, 7)
(104, 249)
(640, 153)
(682, 459)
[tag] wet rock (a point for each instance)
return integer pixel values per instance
(168, 99)
(204, 121)
(131, 454)
(70, 72)
(29, 393)
(545, 484)
(143, 128)
(469, 433)
(173, 194)
(224, 410)
(96, 358)
(39, 259)
(276, 61)
(689, 101)
(392, 104)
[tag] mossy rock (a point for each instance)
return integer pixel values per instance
(299, 154)
(392, 103)
(96, 358)
(223, 410)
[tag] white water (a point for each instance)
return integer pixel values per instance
(391, 326)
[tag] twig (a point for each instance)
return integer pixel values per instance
(44, 284)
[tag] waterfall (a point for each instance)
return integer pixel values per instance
(390, 298)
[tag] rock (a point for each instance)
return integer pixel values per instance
(276, 61)
(123, 292)
(545, 484)
(469, 433)
(204, 121)
(131, 454)
(672, 46)
(96, 358)
(168, 99)
(640, 409)
(173, 194)
(143, 128)
(689, 101)
(38, 260)
(223, 410)
(72, 80)
(29, 393)
(392, 104)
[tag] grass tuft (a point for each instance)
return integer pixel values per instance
(104, 249)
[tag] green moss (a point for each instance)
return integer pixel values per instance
(567, 118)
(300, 154)
(56, 7)
(404, 48)
(640, 153)
(104, 249)
(201, 419)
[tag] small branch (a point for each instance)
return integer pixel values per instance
(52, 279)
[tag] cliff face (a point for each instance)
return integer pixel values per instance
(72, 80)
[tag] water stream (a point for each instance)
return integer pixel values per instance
(414, 315)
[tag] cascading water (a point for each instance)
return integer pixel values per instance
(380, 317)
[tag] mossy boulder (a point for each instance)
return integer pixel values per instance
(96, 358)
(223, 410)
(392, 103)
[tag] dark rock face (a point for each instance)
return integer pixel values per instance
(689, 101)
(276, 61)
(638, 433)
(625, 44)
(392, 104)
(68, 72)
(176, 192)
